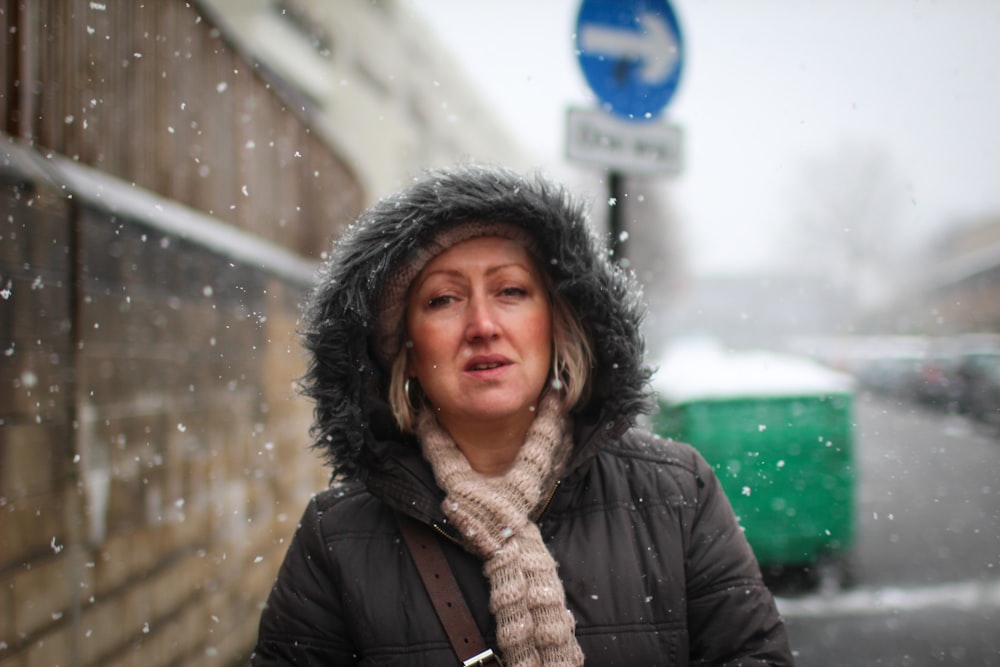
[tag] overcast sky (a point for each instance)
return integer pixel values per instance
(767, 87)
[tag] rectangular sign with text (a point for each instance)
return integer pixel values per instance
(650, 147)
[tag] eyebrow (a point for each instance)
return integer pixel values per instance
(489, 271)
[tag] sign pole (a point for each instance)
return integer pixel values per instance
(618, 242)
(631, 53)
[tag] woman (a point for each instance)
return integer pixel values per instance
(477, 367)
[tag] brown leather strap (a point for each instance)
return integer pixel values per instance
(461, 628)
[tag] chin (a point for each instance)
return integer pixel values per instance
(499, 410)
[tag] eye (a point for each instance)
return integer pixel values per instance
(439, 301)
(513, 291)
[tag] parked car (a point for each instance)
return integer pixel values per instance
(979, 397)
(937, 382)
(889, 365)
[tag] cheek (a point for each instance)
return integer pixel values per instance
(541, 335)
(421, 338)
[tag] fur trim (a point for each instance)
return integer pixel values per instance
(344, 378)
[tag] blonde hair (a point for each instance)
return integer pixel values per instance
(572, 359)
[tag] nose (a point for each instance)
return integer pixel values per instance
(482, 323)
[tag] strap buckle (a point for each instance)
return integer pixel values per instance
(487, 657)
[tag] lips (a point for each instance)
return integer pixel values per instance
(481, 364)
(484, 367)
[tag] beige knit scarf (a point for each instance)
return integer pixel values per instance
(527, 599)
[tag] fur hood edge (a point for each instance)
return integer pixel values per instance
(343, 378)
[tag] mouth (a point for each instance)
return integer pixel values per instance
(485, 364)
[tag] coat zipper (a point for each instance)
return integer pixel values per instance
(545, 505)
(442, 531)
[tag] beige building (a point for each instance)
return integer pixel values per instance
(380, 87)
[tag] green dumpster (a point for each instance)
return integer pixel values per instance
(778, 431)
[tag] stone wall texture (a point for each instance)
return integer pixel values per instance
(162, 208)
(153, 450)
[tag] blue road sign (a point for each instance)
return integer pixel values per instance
(631, 54)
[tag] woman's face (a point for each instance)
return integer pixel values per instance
(480, 325)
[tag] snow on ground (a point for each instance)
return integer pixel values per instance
(958, 596)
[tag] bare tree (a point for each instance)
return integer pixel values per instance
(844, 210)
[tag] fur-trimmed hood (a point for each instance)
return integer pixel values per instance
(344, 378)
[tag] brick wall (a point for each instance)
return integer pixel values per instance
(153, 454)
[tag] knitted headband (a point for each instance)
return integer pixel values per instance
(389, 328)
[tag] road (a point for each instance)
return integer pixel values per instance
(926, 560)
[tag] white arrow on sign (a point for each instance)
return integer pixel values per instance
(654, 46)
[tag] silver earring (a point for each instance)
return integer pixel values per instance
(557, 382)
(406, 391)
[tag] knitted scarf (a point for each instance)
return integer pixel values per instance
(527, 599)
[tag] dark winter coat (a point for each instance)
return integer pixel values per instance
(656, 569)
